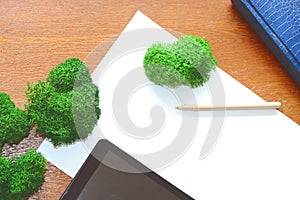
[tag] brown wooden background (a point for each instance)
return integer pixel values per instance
(37, 35)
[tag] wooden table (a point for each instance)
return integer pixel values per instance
(38, 35)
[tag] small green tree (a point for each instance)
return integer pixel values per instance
(5, 174)
(22, 176)
(188, 61)
(65, 106)
(27, 174)
(14, 122)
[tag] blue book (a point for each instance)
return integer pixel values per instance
(277, 22)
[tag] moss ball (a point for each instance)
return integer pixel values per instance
(188, 61)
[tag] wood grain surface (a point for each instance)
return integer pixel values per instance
(36, 35)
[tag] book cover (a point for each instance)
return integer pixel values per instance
(277, 22)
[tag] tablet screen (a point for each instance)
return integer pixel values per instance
(97, 180)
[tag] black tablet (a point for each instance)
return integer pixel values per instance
(129, 180)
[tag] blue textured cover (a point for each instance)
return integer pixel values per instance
(277, 22)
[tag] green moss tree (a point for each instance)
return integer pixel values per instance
(6, 165)
(188, 61)
(22, 176)
(27, 174)
(14, 122)
(65, 106)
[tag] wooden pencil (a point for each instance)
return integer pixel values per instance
(256, 106)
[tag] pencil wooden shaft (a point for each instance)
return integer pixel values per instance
(261, 106)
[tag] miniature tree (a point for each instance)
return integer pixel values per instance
(27, 174)
(65, 106)
(22, 176)
(14, 122)
(5, 174)
(187, 61)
